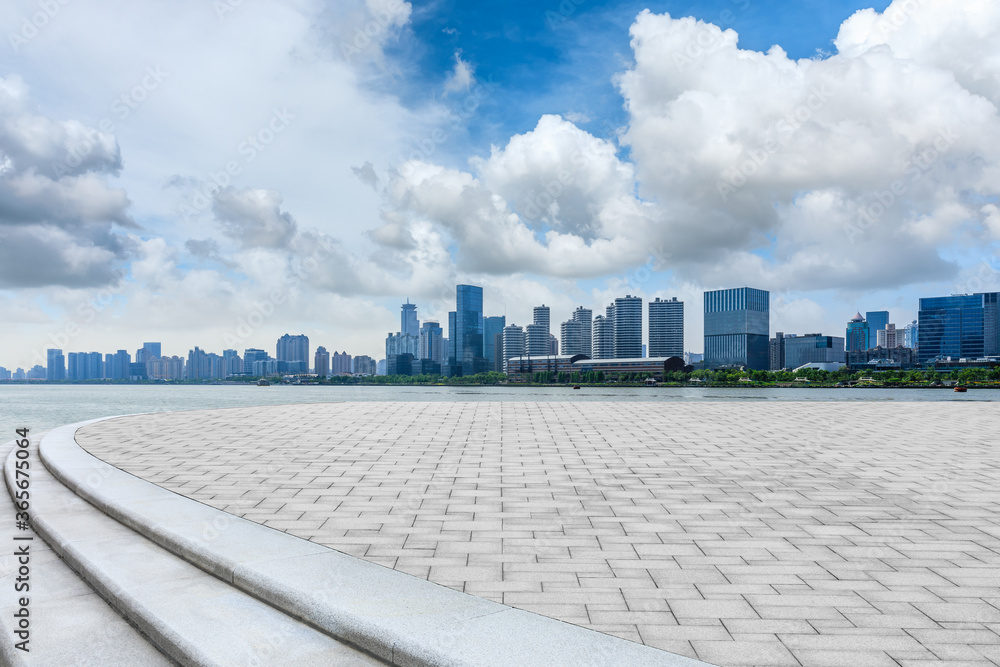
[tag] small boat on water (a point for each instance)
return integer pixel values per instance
(576, 386)
(263, 383)
(961, 389)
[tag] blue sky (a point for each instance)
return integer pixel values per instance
(558, 164)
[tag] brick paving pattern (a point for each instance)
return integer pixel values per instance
(741, 533)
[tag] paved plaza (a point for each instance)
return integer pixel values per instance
(740, 533)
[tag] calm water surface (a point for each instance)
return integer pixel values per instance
(43, 407)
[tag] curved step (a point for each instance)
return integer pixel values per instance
(190, 615)
(400, 618)
(67, 619)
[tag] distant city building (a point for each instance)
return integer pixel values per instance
(467, 333)
(55, 365)
(737, 328)
(584, 317)
(250, 357)
(431, 343)
(877, 321)
(340, 362)
(553, 344)
(910, 335)
(573, 337)
(321, 362)
(776, 352)
(232, 363)
(294, 352)
(401, 364)
(492, 327)
(265, 368)
(603, 339)
(365, 365)
(691, 358)
(880, 358)
(542, 317)
(536, 338)
(961, 326)
(147, 351)
(19, 374)
(400, 343)
(165, 368)
(36, 372)
(408, 322)
(666, 328)
(858, 334)
(198, 366)
(4, 373)
(381, 367)
(628, 327)
(118, 366)
(889, 337)
(514, 344)
(813, 349)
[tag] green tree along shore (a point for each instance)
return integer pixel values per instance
(972, 377)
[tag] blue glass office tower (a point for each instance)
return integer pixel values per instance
(858, 334)
(877, 321)
(466, 335)
(491, 327)
(737, 328)
(957, 326)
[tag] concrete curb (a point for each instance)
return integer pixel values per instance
(402, 619)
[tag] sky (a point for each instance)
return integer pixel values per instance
(217, 174)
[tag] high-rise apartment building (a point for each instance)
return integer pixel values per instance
(293, 354)
(55, 365)
(536, 340)
(467, 335)
(858, 334)
(958, 326)
(408, 322)
(776, 352)
(666, 328)
(737, 328)
(340, 363)
(492, 326)
(321, 362)
(571, 336)
(910, 335)
(231, 363)
(364, 365)
(877, 321)
(542, 317)
(628, 327)
(603, 342)
(513, 343)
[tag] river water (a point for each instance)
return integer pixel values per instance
(41, 406)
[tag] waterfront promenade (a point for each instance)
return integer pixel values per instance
(739, 533)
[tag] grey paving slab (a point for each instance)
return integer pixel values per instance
(874, 526)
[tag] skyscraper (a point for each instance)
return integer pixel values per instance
(858, 334)
(958, 326)
(321, 362)
(491, 327)
(340, 363)
(468, 332)
(408, 322)
(55, 365)
(628, 327)
(890, 337)
(603, 345)
(877, 320)
(431, 342)
(293, 351)
(737, 327)
(251, 356)
(666, 328)
(585, 317)
(910, 335)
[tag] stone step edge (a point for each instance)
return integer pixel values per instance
(403, 619)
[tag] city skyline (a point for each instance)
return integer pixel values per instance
(315, 182)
